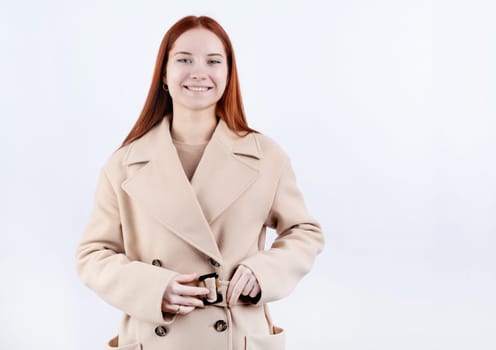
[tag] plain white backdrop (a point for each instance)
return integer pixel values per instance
(386, 108)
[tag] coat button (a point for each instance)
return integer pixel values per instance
(161, 331)
(214, 262)
(156, 262)
(220, 326)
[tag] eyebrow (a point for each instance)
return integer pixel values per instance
(189, 53)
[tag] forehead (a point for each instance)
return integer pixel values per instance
(198, 41)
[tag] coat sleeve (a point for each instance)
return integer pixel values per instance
(134, 287)
(299, 240)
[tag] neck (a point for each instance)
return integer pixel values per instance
(193, 127)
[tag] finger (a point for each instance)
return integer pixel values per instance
(188, 301)
(248, 287)
(232, 283)
(179, 300)
(256, 289)
(242, 274)
(253, 280)
(237, 289)
(186, 278)
(178, 309)
(184, 310)
(190, 290)
(171, 308)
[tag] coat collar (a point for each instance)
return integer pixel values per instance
(144, 148)
(187, 209)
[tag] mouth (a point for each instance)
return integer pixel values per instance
(196, 88)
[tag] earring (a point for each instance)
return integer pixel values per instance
(165, 88)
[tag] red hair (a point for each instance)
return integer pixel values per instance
(159, 103)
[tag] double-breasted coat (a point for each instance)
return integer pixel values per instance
(149, 223)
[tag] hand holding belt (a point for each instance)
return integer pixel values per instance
(217, 294)
(217, 289)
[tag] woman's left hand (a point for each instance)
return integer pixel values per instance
(243, 282)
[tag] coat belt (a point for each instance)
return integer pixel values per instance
(217, 295)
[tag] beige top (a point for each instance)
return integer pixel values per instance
(189, 155)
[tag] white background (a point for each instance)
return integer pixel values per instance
(387, 109)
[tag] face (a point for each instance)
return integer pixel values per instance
(196, 73)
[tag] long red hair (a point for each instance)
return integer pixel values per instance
(159, 102)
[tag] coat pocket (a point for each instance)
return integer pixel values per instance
(112, 345)
(274, 341)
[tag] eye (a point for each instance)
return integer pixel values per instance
(184, 60)
(214, 62)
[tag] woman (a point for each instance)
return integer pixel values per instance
(176, 236)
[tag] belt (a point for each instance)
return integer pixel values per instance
(217, 289)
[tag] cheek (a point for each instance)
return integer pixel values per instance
(221, 78)
(174, 76)
(171, 77)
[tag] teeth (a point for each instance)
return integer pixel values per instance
(197, 88)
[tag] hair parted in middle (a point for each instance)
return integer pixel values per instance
(159, 102)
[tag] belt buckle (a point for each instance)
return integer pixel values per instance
(214, 296)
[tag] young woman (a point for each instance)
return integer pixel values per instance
(176, 236)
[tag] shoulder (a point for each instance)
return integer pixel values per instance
(270, 149)
(138, 151)
(115, 162)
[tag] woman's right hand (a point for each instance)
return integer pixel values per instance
(181, 299)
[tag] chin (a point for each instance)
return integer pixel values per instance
(198, 106)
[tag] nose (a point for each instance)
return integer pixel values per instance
(198, 72)
(196, 75)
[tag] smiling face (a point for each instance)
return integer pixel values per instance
(196, 73)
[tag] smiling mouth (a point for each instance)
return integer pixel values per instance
(197, 88)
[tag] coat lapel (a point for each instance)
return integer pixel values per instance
(223, 174)
(185, 208)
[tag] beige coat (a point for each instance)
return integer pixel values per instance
(149, 223)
